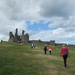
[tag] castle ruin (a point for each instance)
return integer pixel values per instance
(24, 38)
(18, 39)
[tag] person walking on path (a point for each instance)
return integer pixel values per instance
(64, 52)
(50, 49)
(45, 49)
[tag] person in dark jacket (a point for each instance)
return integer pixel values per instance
(45, 49)
(64, 52)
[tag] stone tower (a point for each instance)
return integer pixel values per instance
(23, 37)
(11, 37)
(16, 35)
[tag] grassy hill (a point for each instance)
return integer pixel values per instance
(18, 59)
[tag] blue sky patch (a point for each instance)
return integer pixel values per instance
(41, 25)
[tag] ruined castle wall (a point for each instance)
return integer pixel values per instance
(26, 38)
(23, 39)
(52, 42)
(12, 40)
(39, 42)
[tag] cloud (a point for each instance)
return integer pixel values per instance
(3, 37)
(67, 24)
(20, 10)
(59, 35)
(59, 8)
(14, 13)
(60, 14)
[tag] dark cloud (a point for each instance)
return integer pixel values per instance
(58, 8)
(70, 29)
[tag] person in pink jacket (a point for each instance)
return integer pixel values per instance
(64, 52)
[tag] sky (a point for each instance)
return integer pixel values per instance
(41, 19)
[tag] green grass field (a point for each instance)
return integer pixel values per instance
(17, 59)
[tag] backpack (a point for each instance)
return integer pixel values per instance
(66, 52)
